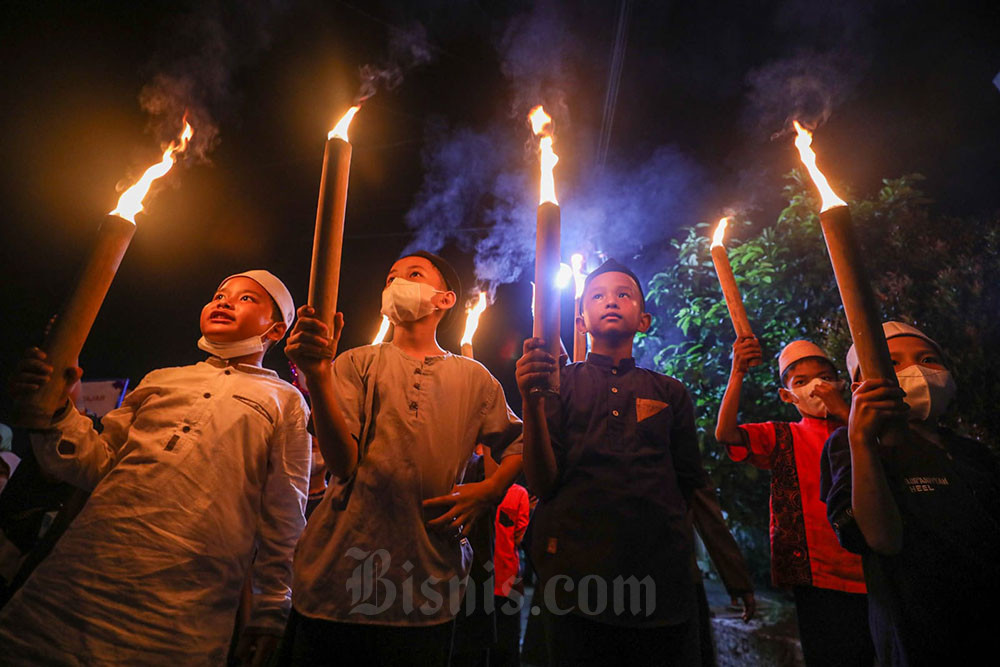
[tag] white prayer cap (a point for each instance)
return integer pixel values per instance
(273, 286)
(891, 330)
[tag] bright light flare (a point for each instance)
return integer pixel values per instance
(382, 331)
(718, 239)
(541, 126)
(803, 141)
(564, 277)
(579, 277)
(340, 129)
(472, 321)
(130, 203)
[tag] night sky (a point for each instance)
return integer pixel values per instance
(443, 158)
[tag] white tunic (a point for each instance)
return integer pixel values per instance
(200, 464)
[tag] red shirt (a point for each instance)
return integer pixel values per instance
(804, 548)
(512, 520)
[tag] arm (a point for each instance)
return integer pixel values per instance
(875, 403)
(533, 370)
(684, 449)
(746, 353)
(711, 526)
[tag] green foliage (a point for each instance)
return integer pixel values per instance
(933, 272)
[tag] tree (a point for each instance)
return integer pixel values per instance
(931, 271)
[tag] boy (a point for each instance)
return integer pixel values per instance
(827, 581)
(198, 464)
(375, 575)
(925, 515)
(614, 458)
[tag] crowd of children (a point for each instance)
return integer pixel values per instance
(196, 518)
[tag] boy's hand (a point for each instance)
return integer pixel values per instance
(534, 367)
(749, 603)
(33, 372)
(310, 345)
(833, 400)
(874, 404)
(746, 353)
(462, 505)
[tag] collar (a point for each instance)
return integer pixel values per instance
(607, 362)
(820, 423)
(429, 359)
(245, 368)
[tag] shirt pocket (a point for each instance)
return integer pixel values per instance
(654, 420)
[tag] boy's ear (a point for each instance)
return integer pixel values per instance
(446, 300)
(276, 332)
(581, 325)
(786, 396)
(645, 321)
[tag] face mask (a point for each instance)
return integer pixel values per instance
(811, 405)
(407, 301)
(929, 391)
(239, 348)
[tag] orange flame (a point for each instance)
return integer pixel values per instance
(579, 277)
(541, 126)
(130, 203)
(382, 331)
(719, 237)
(472, 322)
(340, 129)
(808, 156)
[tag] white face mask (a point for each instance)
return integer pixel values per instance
(407, 301)
(811, 405)
(239, 348)
(929, 391)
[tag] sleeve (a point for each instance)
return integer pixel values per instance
(523, 514)
(282, 518)
(835, 489)
(684, 450)
(758, 443)
(349, 385)
(74, 452)
(500, 429)
(722, 548)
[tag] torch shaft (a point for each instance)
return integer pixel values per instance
(328, 240)
(863, 317)
(731, 292)
(547, 257)
(579, 337)
(72, 326)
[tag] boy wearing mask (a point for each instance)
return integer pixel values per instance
(199, 465)
(381, 567)
(827, 581)
(614, 459)
(924, 515)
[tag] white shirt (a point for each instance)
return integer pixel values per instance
(198, 465)
(373, 560)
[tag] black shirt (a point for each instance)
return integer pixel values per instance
(627, 454)
(938, 600)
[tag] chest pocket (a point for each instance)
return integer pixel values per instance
(256, 406)
(653, 420)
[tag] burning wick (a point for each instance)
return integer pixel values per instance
(472, 323)
(803, 141)
(541, 125)
(130, 203)
(730, 290)
(382, 331)
(339, 130)
(564, 276)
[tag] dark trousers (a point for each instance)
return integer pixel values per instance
(312, 642)
(577, 641)
(833, 627)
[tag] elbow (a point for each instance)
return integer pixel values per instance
(728, 437)
(885, 545)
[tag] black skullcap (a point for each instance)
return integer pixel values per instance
(614, 266)
(447, 272)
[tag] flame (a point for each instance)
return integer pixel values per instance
(541, 126)
(564, 276)
(130, 203)
(382, 331)
(340, 129)
(808, 156)
(472, 321)
(720, 233)
(579, 277)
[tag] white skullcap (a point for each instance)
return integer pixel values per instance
(274, 287)
(891, 330)
(798, 350)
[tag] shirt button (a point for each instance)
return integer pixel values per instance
(207, 395)
(186, 429)
(416, 385)
(614, 412)
(413, 405)
(416, 371)
(614, 390)
(614, 371)
(229, 372)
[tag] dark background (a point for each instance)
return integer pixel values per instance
(907, 88)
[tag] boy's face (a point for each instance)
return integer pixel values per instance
(612, 307)
(421, 270)
(907, 351)
(240, 309)
(805, 371)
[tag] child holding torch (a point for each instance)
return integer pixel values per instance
(827, 580)
(380, 570)
(614, 458)
(199, 466)
(924, 515)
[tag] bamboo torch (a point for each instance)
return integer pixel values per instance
(579, 277)
(730, 290)
(546, 306)
(471, 324)
(863, 317)
(328, 240)
(65, 341)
